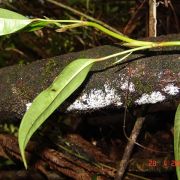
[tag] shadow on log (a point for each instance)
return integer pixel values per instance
(151, 77)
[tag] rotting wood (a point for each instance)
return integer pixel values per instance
(21, 174)
(44, 159)
(152, 77)
(59, 161)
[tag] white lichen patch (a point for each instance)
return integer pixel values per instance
(127, 86)
(171, 89)
(96, 99)
(153, 98)
(28, 106)
(160, 75)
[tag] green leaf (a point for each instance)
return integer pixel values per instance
(11, 22)
(177, 140)
(48, 100)
(37, 25)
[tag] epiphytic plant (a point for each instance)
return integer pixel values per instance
(73, 74)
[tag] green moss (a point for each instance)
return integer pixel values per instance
(140, 87)
(128, 102)
(49, 67)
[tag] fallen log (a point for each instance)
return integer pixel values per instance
(151, 77)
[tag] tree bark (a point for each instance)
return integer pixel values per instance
(151, 77)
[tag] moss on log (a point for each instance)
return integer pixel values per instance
(151, 77)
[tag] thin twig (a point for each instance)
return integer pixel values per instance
(128, 28)
(127, 152)
(152, 18)
(83, 15)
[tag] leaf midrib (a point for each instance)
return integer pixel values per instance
(54, 98)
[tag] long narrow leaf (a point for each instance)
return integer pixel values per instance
(36, 25)
(177, 140)
(48, 100)
(11, 22)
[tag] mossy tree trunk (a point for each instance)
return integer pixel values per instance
(151, 77)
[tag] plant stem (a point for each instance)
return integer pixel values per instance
(70, 26)
(132, 42)
(129, 42)
(101, 28)
(169, 43)
(83, 15)
(52, 21)
(123, 52)
(119, 36)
